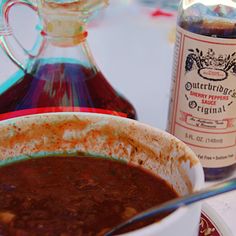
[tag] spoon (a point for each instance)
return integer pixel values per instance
(208, 192)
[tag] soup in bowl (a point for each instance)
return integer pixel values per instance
(82, 174)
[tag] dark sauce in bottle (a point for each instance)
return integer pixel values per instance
(212, 24)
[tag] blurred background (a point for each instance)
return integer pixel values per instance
(132, 42)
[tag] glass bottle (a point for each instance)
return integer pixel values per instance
(62, 75)
(202, 109)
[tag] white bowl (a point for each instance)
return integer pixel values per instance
(121, 138)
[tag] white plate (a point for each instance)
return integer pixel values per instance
(212, 224)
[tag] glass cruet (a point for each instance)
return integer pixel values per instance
(62, 75)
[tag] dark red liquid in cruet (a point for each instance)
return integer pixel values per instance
(63, 87)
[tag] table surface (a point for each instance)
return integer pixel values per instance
(134, 51)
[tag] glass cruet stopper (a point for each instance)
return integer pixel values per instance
(68, 19)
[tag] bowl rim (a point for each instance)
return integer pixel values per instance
(171, 218)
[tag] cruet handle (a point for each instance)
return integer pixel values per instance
(7, 38)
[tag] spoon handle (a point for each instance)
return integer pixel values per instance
(208, 192)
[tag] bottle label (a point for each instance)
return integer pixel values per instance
(40, 110)
(203, 103)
